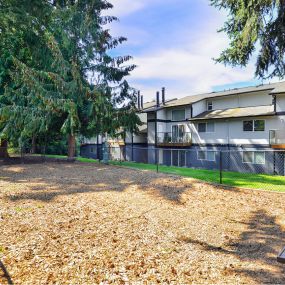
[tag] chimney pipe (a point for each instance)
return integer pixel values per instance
(139, 100)
(163, 95)
(157, 99)
(142, 102)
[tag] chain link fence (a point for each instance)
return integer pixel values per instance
(28, 154)
(247, 168)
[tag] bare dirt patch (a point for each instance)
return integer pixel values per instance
(84, 223)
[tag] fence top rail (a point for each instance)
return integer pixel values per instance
(202, 149)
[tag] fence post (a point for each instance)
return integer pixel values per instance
(221, 167)
(156, 159)
(22, 154)
(120, 155)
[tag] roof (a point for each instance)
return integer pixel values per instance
(276, 88)
(236, 113)
(151, 106)
(148, 105)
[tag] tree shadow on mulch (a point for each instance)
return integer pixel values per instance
(259, 245)
(4, 275)
(51, 187)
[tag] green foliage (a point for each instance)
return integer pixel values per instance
(56, 71)
(252, 25)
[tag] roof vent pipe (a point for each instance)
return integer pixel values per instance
(142, 102)
(139, 100)
(163, 95)
(157, 99)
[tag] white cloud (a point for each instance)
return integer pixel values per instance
(184, 66)
(187, 70)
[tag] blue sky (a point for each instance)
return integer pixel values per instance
(173, 43)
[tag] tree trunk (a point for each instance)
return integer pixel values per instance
(4, 149)
(33, 150)
(71, 146)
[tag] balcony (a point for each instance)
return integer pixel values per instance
(277, 139)
(173, 139)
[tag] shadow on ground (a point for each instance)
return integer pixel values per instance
(4, 275)
(258, 246)
(46, 185)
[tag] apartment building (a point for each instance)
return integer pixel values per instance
(238, 128)
(246, 124)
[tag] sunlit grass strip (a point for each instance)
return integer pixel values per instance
(245, 180)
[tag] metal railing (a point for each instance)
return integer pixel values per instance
(168, 138)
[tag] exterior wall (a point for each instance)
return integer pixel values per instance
(138, 138)
(231, 157)
(91, 151)
(168, 114)
(137, 153)
(93, 140)
(151, 133)
(242, 100)
(199, 107)
(231, 132)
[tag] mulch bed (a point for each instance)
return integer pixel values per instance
(87, 223)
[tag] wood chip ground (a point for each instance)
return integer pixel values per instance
(91, 224)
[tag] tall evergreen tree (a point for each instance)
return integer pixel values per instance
(45, 78)
(255, 25)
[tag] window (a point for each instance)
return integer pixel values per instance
(210, 105)
(202, 155)
(247, 126)
(254, 157)
(259, 125)
(202, 127)
(206, 155)
(254, 125)
(259, 157)
(92, 149)
(178, 115)
(178, 132)
(248, 157)
(206, 127)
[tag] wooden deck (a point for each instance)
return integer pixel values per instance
(278, 146)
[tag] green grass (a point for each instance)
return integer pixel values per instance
(81, 159)
(55, 156)
(246, 180)
(89, 160)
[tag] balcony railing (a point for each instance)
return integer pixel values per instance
(277, 138)
(169, 138)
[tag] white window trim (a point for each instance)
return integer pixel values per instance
(206, 128)
(182, 109)
(253, 151)
(253, 126)
(206, 157)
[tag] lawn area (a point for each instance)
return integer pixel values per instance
(80, 159)
(83, 223)
(246, 180)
